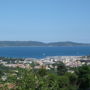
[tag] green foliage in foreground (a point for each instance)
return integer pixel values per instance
(42, 79)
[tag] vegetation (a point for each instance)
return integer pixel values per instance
(42, 79)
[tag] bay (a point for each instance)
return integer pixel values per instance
(42, 52)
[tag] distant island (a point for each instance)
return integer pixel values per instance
(36, 43)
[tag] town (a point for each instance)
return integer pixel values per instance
(47, 63)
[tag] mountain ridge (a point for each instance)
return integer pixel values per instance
(37, 43)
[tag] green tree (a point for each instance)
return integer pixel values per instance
(83, 73)
(61, 68)
(42, 72)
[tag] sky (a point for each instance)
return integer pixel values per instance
(45, 20)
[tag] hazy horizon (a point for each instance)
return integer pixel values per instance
(45, 21)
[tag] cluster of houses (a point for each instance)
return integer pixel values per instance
(71, 61)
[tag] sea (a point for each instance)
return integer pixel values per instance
(42, 52)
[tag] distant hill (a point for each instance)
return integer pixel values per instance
(21, 43)
(36, 43)
(67, 44)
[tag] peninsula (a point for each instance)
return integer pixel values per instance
(36, 43)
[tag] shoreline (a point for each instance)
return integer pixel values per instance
(44, 57)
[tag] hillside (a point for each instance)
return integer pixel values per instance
(36, 43)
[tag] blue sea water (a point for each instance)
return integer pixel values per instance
(41, 52)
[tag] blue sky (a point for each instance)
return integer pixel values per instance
(45, 20)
